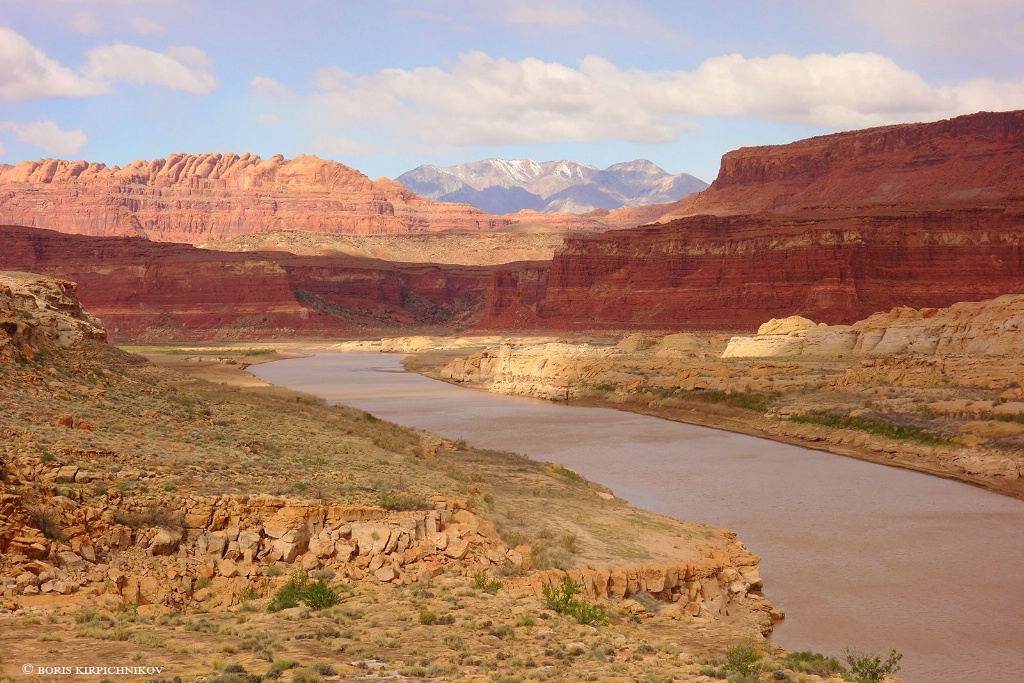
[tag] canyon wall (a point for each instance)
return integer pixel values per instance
(972, 160)
(805, 229)
(146, 290)
(197, 198)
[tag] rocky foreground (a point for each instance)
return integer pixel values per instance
(149, 519)
(936, 390)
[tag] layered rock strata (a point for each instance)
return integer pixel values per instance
(39, 314)
(985, 328)
(146, 290)
(831, 228)
(198, 198)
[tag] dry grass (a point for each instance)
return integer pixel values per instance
(158, 434)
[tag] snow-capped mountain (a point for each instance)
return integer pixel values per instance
(510, 185)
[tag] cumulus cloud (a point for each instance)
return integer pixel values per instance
(85, 23)
(265, 86)
(48, 136)
(138, 65)
(146, 27)
(26, 73)
(481, 100)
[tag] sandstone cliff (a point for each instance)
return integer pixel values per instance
(805, 229)
(972, 160)
(979, 329)
(196, 198)
(146, 290)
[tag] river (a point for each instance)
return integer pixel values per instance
(858, 555)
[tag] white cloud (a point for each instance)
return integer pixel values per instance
(146, 27)
(265, 86)
(481, 100)
(548, 16)
(85, 23)
(48, 136)
(138, 65)
(26, 73)
(268, 119)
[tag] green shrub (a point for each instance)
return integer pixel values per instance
(741, 658)
(482, 582)
(813, 663)
(427, 617)
(876, 427)
(563, 600)
(248, 593)
(316, 595)
(870, 668)
(396, 501)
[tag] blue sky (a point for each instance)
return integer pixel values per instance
(386, 86)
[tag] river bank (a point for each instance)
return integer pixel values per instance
(852, 551)
(971, 432)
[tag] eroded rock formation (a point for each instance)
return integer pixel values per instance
(39, 314)
(147, 290)
(832, 228)
(983, 328)
(196, 198)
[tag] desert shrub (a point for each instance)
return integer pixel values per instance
(877, 427)
(248, 593)
(482, 582)
(870, 668)
(305, 676)
(49, 522)
(397, 501)
(153, 516)
(319, 595)
(741, 658)
(813, 663)
(427, 617)
(564, 601)
(316, 595)
(324, 669)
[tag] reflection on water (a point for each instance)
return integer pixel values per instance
(859, 555)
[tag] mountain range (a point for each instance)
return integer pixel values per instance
(504, 186)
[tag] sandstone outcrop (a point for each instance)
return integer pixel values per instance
(146, 290)
(985, 328)
(833, 229)
(39, 314)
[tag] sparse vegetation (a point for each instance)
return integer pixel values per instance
(316, 595)
(876, 427)
(872, 668)
(563, 599)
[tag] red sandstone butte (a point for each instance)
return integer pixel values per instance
(833, 228)
(147, 290)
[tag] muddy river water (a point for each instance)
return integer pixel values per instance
(858, 555)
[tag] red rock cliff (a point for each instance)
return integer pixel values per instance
(146, 290)
(832, 228)
(968, 160)
(196, 198)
